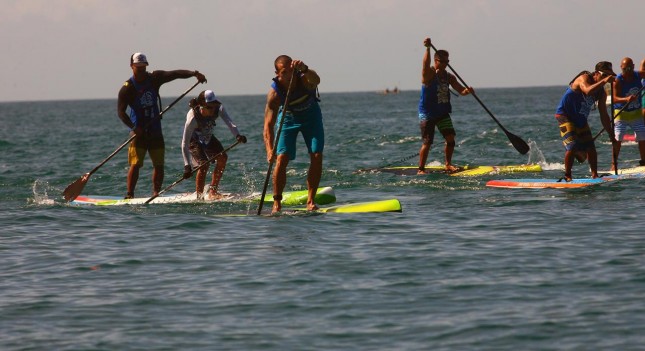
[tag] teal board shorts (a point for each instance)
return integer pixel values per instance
(309, 123)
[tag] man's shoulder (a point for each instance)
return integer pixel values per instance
(126, 87)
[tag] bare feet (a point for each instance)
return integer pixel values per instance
(311, 206)
(422, 171)
(214, 195)
(277, 207)
(277, 204)
(451, 169)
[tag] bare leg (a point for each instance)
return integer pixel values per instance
(449, 150)
(220, 166)
(641, 150)
(592, 156)
(313, 179)
(568, 164)
(423, 157)
(279, 181)
(616, 152)
(200, 180)
(157, 179)
(133, 177)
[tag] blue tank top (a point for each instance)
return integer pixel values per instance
(630, 88)
(301, 98)
(435, 98)
(576, 106)
(145, 106)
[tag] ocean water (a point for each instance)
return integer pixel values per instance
(463, 267)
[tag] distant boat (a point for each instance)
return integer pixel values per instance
(387, 91)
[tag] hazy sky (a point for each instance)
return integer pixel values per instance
(80, 49)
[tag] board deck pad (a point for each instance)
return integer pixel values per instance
(324, 196)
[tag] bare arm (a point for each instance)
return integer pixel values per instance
(427, 71)
(585, 84)
(270, 116)
(604, 116)
(309, 77)
(618, 95)
(122, 106)
(454, 83)
(169, 76)
(642, 70)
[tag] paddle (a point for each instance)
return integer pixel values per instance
(196, 169)
(274, 151)
(614, 155)
(74, 190)
(619, 111)
(520, 145)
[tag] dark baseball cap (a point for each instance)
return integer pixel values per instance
(605, 67)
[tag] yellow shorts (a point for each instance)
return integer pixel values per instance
(629, 116)
(155, 146)
(573, 137)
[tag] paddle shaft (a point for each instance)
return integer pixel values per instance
(80, 182)
(614, 154)
(519, 144)
(196, 169)
(274, 150)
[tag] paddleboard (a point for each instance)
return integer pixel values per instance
(544, 183)
(463, 171)
(631, 170)
(390, 205)
(559, 183)
(324, 196)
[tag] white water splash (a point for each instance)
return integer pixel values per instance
(537, 157)
(39, 189)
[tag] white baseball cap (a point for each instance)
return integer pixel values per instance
(139, 59)
(209, 96)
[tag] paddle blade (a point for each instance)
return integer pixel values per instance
(520, 145)
(74, 190)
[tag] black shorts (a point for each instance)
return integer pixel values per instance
(202, 153)
(444, 124)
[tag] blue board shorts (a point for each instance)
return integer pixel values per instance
(576, 134)
(427, 125)
(309, 123)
